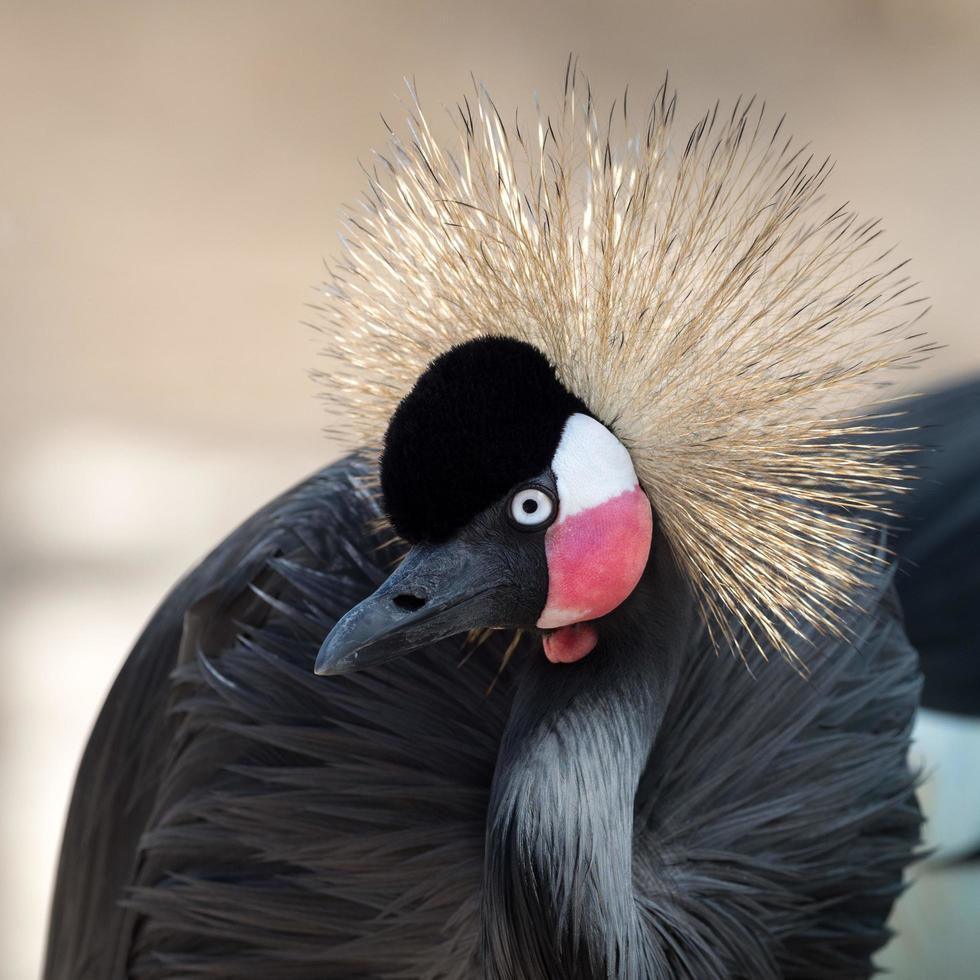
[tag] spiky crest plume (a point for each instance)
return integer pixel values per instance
(698, 295)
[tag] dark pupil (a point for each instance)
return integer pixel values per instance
(529, 506)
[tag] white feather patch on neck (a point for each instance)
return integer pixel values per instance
(590, 465)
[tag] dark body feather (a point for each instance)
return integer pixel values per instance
(236, 816)
(938, 541)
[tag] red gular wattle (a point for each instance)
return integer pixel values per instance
(596, 557)
(570, 643)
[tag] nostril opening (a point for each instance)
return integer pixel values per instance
(410, 602)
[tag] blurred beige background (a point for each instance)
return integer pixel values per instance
(170, 176)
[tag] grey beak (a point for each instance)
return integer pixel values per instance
(437, 591)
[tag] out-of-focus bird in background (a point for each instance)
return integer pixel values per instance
(613, 380)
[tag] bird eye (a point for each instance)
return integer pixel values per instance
(532, 508)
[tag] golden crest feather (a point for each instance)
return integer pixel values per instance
(698, 295)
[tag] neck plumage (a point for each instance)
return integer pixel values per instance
(558, 886)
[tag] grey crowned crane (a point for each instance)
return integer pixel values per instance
(653, 712)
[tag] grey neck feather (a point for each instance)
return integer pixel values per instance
(558, 896)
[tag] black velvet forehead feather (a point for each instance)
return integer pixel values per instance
(483, 417)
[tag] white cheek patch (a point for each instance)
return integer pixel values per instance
(599, 546)
(590, 465)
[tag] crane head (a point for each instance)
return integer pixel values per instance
(522, 509)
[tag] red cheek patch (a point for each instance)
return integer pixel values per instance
(595, 559)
